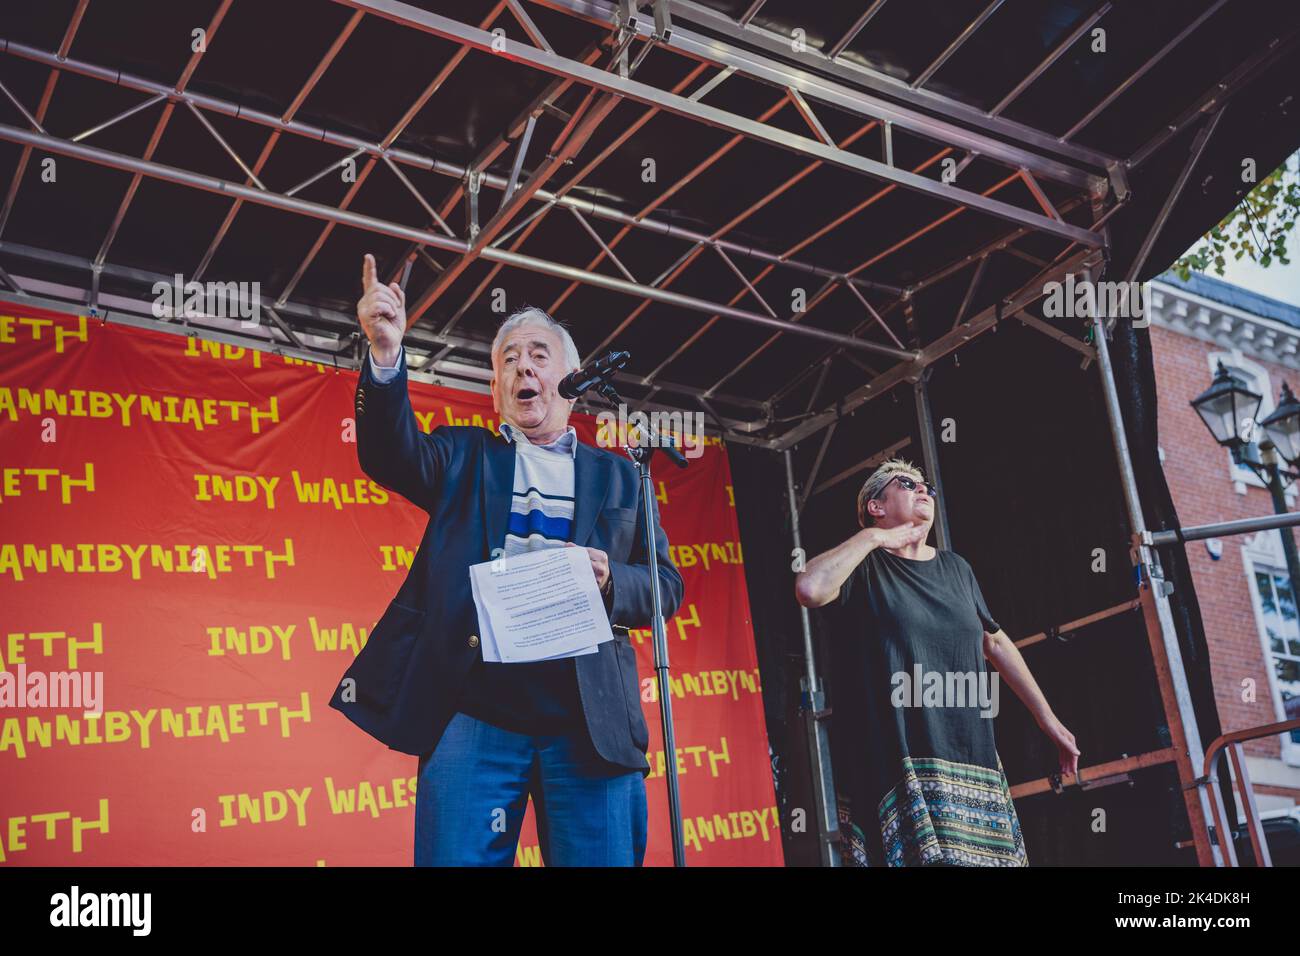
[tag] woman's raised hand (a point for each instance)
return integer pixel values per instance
(891, 539)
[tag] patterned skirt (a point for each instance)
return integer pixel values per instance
(941, 813)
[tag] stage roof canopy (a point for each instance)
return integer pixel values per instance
(781, 209)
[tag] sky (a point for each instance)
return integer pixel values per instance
(1277, 281)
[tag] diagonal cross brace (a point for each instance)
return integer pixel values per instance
(585, 123)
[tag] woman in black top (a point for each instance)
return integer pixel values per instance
(931, 790)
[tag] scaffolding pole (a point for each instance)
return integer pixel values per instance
(813, 705)
(1153, 590)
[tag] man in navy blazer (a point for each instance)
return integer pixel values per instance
(570, 733)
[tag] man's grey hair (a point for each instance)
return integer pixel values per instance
(882, 476)
(531, 315)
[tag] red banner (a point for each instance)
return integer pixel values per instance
(190, 556)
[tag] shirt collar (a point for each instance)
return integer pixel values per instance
(568, 442)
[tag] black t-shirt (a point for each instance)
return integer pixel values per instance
(904, 616)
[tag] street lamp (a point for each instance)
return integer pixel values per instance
(1283, 426)
(1228, 409)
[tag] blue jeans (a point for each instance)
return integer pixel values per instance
(473, 790)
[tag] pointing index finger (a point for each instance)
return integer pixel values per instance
(367, 272)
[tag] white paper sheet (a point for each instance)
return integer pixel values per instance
(542, 605)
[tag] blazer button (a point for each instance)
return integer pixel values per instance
(473, 640)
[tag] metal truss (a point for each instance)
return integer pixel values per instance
(47, 94)
(606, 71)
(598, 79)
(341, 326)
(855, 89)
(393, 155)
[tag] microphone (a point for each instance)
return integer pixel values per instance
(597, 373)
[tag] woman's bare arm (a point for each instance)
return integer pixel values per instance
(820, 582)
(1003, 654)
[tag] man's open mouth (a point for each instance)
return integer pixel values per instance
(525, 394)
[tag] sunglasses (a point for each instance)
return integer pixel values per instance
(910, 484)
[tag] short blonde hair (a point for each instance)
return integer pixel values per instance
(876, 484)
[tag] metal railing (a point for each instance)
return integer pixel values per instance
(1231, 744)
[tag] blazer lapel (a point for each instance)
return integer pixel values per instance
(495, 489)
(590, 486)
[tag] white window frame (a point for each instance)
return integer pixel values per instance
(1260, 381)
(1263, 552)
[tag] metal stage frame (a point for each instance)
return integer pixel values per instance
(809, 80)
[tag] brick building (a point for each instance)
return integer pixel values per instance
(1241, 581)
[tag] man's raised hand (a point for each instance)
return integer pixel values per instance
(381, 310)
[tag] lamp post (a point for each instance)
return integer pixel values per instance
(1229, 409)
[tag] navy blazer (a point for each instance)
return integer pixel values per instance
(410, 674)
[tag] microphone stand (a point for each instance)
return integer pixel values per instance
(641, 455)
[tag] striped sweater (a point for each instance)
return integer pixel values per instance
(539, 697)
